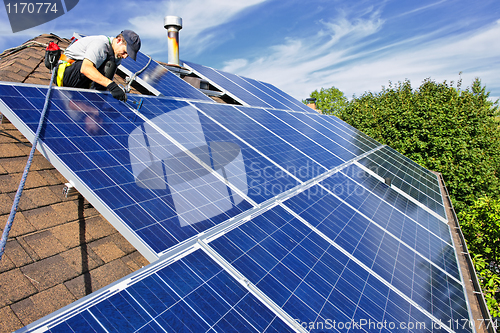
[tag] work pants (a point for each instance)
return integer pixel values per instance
(73, 76)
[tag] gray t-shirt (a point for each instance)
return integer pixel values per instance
(93, 48)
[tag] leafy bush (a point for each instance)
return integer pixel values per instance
(442, 128)
(330, 101)
(480, 224)
(490, 284)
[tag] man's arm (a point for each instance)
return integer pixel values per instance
(88, 69)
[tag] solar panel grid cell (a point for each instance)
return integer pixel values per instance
(434, 243)
(227, 85)
(298, 105)
(159, 80)
(349, 226)
(425, 195)
(250, 88)
(126, 171)
(344, 140)
(348, 129)
(342, 148)
(378, 250)
(325, 156)
(253, 174)
(286, 104)
(248, 91)
(390, 196)
(414, 177)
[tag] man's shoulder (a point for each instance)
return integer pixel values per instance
(100, 39)
(91, 47)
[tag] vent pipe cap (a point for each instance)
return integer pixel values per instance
(172, 21)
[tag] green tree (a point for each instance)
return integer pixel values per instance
(490, 283)
(442, 128)
(480, 224)
(330, 101)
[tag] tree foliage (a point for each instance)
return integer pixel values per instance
(442, 128)
(330, 100)
(490, 284)
(480, 224)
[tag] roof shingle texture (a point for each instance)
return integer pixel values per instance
(59, 249)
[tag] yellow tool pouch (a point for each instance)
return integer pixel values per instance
(60, 72)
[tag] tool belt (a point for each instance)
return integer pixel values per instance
(64, 62)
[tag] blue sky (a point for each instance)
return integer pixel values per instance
(301, 46)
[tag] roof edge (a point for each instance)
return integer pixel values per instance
(477, 303)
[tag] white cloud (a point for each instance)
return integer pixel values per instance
(296, 65)
(235, 65)
(198, 17)
(299, 66)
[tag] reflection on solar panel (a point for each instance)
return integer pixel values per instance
(158, 80)
(193, 294)
(411, 178)
(249, 92)
(260, 220)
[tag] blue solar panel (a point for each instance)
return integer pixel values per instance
(140, 176)
(311, 143)
(409, 178)
(276, 148)
(345, 149)
(298, 105)
(264, 220)
(402, 203)
(240, 164)
(192, 294)
(290, 104)
(312, 280)
(350, 140)
(437, 248)
(248, 91)
(416, 175)
(271, 101)
(159, 80)
(346, 128)
(227, 85)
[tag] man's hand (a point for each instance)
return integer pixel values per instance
(117, 92)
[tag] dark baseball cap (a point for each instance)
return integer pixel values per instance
(133, 43)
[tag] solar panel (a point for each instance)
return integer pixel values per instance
(283, 153)
(192, 294)
(288, 101)
(237, 92)
(298, 105)
(314, 278)
(408, 177)
(145, 184)
(247, 91)
(259, 219)
(344, 130)
(158, 80)
(294, 263)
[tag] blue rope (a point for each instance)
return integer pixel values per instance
(8, 225)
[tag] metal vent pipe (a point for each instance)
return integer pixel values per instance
(173, 24)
